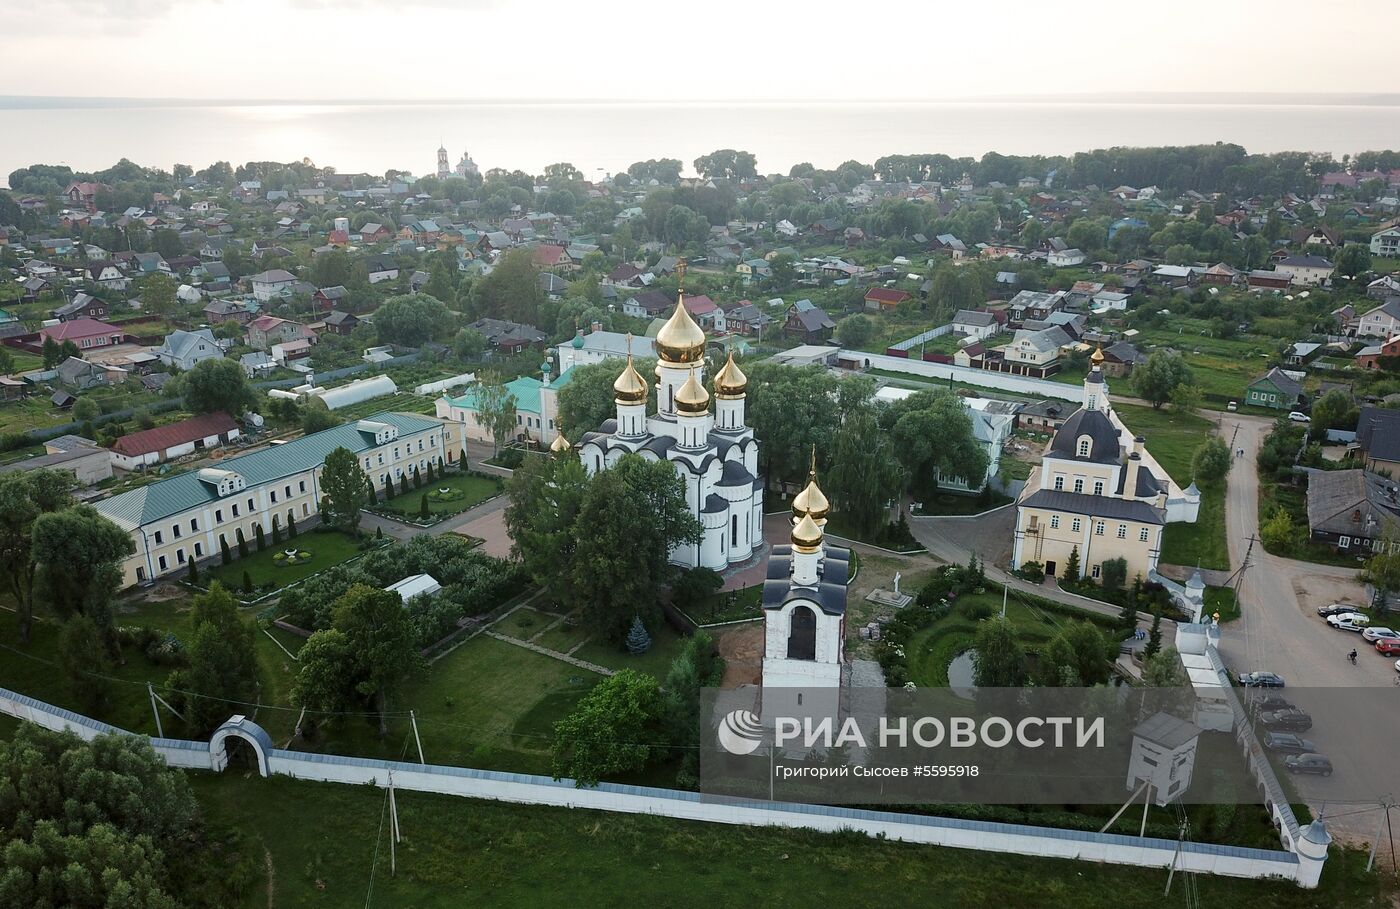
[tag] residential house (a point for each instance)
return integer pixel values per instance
(84, 194)
(705, 311)
(1307, 271)
(88, 334)
(885, 299)
(257, 363)
(265, 331)
(1031, 304)
(751, 270)
(1034, 352)
(1386, 242)
(624, 275)
(1378, 438)
(747, 318)
(380, 269)
(184, 349)
(1120, 358)
(809, 322)
(1300, 353)
(556, 257)
(79, 374)
(193, 514)
(341, 323)
(975, 324)
(216, 311)
(948, 243)
(647, 304)
(174, 440)
(1316, 236)
(1065, 258)
(554, 287)
(373, 232)
(1370, 357)
(329, 298)
(1352, 511)
(286, 353)
(1381, 322)
(1383, 287)
(82, 306)
(1276, 390)
(272, 284)
(508, 337)
(88, 462)
(106, 274)
(1220, 275)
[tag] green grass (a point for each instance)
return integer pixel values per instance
(326, 847)
(327, 550)
(523, 623)
(1172, 438)
(467, 490)
(1295, 501)
(563, 637)
(932, 648)
(1222, 600)
(731, 606)
(952, 503)
(665, 645)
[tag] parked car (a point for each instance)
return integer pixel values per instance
(1308, 763)
(1334, 609)
(1286, 720)
(1348, 621)
(1268, 703)
(1261, 680)
(1287, 743)
(1388, 646)
(1297, 416)
(1375, 634)
(1232, 406)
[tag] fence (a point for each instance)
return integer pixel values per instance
(910, 343)
(1023, 385)
(1234, 861)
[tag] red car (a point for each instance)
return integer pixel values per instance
(1388, 646)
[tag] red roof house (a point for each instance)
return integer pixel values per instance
(885, 298)
(151, 446)
(86, 333)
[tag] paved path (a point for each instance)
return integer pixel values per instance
(574, 661)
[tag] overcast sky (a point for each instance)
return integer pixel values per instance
(720, 49)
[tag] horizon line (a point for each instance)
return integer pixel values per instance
(1298, 99)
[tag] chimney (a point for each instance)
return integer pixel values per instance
(1130, 481)
(597, 326)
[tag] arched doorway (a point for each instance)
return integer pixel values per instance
(802, 634)
(240, 743)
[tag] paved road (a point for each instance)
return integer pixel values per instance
(1279, 630)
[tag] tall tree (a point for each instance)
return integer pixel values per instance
(495, 408)
(411, 319)
(217, 385)
(223, 662)
(379, 643)
(24, 496)
(343, 485)
(79, 554)
(512, 290)
(1155, 380)
(587, 400)
(932, 433)
(158, 294)
(864, 473)
(614, 729)
(997, 658)
(790, 410)
(546, 495)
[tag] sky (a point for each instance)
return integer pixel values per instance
(713, 50)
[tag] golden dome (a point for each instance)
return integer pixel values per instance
(680, 339)
(811, 501)
(731, 381)
(1097, 357)
(630, 387)
(692, 398)
(560, 444)
(807, 536)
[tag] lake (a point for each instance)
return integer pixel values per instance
(605, 137)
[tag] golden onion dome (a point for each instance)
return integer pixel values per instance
(807, 536)
(560, 444)
(811, 501)
(630, 387)
(1097, 357)
(680, 339)
(731, 381)
(692, 398)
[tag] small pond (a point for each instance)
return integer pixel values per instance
(961, 674)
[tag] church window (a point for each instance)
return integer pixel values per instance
(734, 530)
(1122, 531)
(1078, 484)
(802, 634)
(1142, 535)
(1093, 402)
(1084, 447)
(1054, 522)
(1098, 487)
(1059, 482)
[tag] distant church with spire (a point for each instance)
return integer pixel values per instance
(712, 449)
(466, 167)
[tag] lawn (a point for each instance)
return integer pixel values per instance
(731, 606)
(1172, 438)
(932, 648)
(470, 706)
(523, 623)
(327, 549)
(464, 490)
(952, 503)
(327, 846)
(665, 645)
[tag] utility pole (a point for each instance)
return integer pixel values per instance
(160, 732)
(412, 718)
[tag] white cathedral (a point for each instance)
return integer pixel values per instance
(715, 453)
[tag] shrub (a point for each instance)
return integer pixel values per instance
(423, 511)
(247, 582)
(1031, 571)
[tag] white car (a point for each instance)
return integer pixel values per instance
(1297, 416)
(1348, 621)
(1375, 634)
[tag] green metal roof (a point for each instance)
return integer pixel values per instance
(173, 495)
(525, 390)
